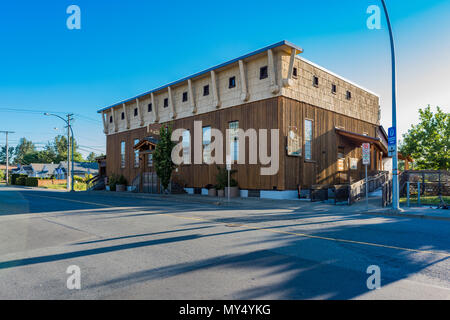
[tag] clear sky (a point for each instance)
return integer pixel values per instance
(125, 48)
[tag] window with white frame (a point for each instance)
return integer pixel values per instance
(122, 154)
(186, 143)
(150, 160)
(206, 144)
(308, 139)
(234, 140)
(136, 154)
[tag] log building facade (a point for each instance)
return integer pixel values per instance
(322, 120)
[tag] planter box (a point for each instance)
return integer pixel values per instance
(212, 192)
(121, 188)
(234, 192)
(221, 193)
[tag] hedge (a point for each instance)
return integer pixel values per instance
(21, 181)
(32, 182)
(15, 176)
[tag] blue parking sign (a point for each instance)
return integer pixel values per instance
(392, 136)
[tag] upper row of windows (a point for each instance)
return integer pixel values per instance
(263, 74)
(333, 88)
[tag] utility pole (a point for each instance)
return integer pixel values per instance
(395, 186)
(68, 153)
(69, 172)
(7, 154)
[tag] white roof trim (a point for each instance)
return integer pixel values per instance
(336, 75)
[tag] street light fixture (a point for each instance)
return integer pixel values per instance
(71, 186)
(395, 186)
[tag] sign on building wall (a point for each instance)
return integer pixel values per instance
(294, 145)
(366, 153)
(340, 165)
(353, 164)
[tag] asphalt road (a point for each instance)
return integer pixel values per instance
(132, 248)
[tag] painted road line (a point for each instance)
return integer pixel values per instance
(268, 229)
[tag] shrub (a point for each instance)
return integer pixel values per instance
(78, 179)
(112, 182)
(14, 177)
(122, 180)
(31, 182)
(21, 181)
(222, 178)
(2, 175)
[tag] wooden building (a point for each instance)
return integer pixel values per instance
(322, 119)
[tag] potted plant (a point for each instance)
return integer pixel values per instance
(222, 183)
(212, 191)
(121, 184)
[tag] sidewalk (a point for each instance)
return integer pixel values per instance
(374, 207)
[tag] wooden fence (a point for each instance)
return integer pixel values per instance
(432, 182)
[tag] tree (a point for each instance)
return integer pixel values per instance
(25, 146)
(59, 146)
(3, 154)
(91, 157)
(428, 143)
(162, 156)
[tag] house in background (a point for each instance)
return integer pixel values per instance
(57, 170)
(322, 120)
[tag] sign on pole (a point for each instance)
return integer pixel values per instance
(228, 162)
(392, 141)
(366, 153)
(366, 162)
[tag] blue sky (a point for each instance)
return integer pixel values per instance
(127, 47)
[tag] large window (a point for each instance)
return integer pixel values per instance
(234, 140)
(206, 144)
(308, 139)
(150, 160)
(122, 154)
(136, 154)
(186, 143)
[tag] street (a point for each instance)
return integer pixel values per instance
(148, 248)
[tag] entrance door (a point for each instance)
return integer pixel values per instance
(150, 182)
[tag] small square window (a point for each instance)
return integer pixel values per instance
(135, 112)
(206, 90)
(263, 73)
(166, 102)
(185, 96)
(349, 95)
(315, 81)
(149, 107)
(110, 119)
(232, 82)
(122, 116)
(295, 73)
(333, 88)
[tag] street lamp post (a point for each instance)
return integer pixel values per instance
(7, 154)
(71, 186)
(395, 187)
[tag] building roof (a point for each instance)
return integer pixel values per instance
(10, 167)
(275, 45)
(81, 166)
(361, 138)
(146, 142)
(45, 167)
